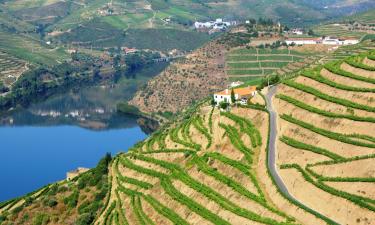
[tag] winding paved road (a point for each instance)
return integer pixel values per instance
(271, 160)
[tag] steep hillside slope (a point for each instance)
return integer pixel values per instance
(207, 169)
(185, 81)
(326, 146)
(212, 166)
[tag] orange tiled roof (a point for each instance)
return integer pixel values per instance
(240, 91)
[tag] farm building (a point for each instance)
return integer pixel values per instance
(217, 24)
(303, 41)
(324, 41)
(242, 94)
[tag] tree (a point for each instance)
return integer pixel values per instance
(213, 102)
(224, 105)
(311, 32)
(232, 96)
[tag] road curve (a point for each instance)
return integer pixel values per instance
(271, 159)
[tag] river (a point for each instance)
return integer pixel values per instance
(38, 145)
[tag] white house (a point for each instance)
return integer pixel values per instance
(236, 84)
(297, 31)
(200, 25)
(324, 41)
(217, 24)
(331, 41)
(303, 41)
(240, 94)
(351, 41)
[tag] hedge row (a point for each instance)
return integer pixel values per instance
(340, 179)
(332, 135)
(210, 119)
(198, 124)
(109, 212)
(167, 165)
(191, 204)
(169, 151)
(355, 199)
(136, 182)
(120, 209)
(326, 97)
(237, 142)
(247, 127)
(185, 127)
(227, 181)
(319, 78)
(238, 165)
(131, 180)
(143, 219)
(165, 211)
(127, 191)
(351, 61)
(128, 164)
(299, 145)
(355, 158)
(174, 137)
(236, 186)
(223, 202)
(312, 109)
(335, 68)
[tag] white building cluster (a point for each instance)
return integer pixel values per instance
(218, 24)
(322, 40)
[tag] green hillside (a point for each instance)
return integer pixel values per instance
(63, 15)
(367, 17)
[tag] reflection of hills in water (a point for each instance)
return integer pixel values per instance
(92, 108)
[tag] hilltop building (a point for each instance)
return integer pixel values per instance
(218, 24)
(74, 173)
(241, 94)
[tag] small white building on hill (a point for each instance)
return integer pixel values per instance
(321, 40)
(242, 94)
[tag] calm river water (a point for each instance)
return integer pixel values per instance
(40, 144)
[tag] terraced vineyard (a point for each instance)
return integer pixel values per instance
(246, 64)
(31, 50)
(11, 68)
(199, 172)
(343, 52)
(337, 30)
(327, 138)
(210, 166)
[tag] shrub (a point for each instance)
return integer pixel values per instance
(85, 219)
(52, 203)
(41, 219)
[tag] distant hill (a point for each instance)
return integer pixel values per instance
(367, 17)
